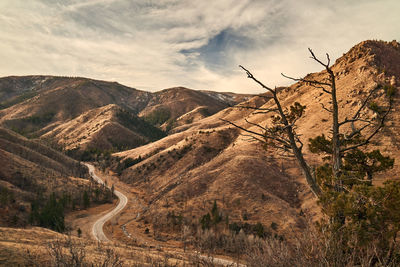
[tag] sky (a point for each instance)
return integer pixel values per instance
(153, 45)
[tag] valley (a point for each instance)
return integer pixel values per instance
(166, 178)
(97, 229)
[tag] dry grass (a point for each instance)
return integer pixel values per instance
(41, 247)
(240, 176)
(94, 128)
(207, 160)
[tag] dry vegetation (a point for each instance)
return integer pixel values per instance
(32, 173)
(264, 208)
(105, 128)
(240, 176)
(178, 106)
(51, 107)
(41, 247)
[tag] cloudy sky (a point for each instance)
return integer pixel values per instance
(156, 44)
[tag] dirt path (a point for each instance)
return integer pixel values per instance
(98, 233)
(97, 229)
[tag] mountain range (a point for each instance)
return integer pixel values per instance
(174, 150)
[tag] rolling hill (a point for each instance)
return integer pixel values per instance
(30, 170)
(105, 128)
(204, 169)
(50, 107)
(209, 160)
(177, 106)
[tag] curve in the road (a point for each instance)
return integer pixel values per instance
(97, 230)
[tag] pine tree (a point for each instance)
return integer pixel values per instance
(86, 200)
(216, 217)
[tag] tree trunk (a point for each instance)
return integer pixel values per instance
(312, 183)
(336, 157)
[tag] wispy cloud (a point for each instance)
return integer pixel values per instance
(158, 44)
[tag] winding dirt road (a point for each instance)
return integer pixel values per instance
(97, 230)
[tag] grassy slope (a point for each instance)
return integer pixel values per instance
(185, 172)
(30, 169)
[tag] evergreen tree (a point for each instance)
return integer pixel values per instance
(86, 200)
(205, 221)
(215, 215)
(51, 215)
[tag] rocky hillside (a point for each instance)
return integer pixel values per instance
(187, 171)
(86, 118)
(209, 160)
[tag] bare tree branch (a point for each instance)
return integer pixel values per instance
(257, 125)
(306, 80)
(256, 108)
(319, 61)
(356, 132)
(377, 129)
(241, 128)
(253, 137)
(264, 135)
(325, 108)
(321, 88)
(265, 112)
(250, 76)
(357, 114)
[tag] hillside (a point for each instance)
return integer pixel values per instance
(85, 118)
(50, 108)
(43, 247)
(31, 170)
(104, 128)
(205, 174)
(65, 99)
(367, 66)
(209, 161)
(16, 89)
(186, 172)
(177, 106)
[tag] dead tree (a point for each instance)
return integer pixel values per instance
(281, 134)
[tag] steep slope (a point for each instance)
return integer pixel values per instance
(29, 168)
(59, 103)
(367, 66)
(177, 106)
(104, 128)
(31, 172)
(187, 171)
(35, 105)
(209, 160)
